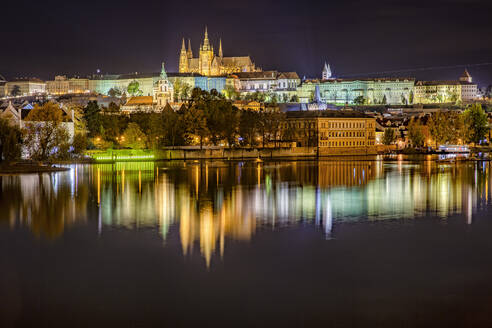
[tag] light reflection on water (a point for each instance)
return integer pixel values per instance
(212, 202)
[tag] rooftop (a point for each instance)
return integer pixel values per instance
(326, 113)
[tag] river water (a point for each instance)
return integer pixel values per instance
(353, 242)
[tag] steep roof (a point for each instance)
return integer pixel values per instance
(465, 74)
(326, 113)
(140, 100)
(288, 75)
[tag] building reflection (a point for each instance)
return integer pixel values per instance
(210, 204)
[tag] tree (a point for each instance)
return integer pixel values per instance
(476, 123)
(359, 100)
(79, 144)
(134, 88)
(92, 118)
(248, 126)
(294, 99)
(114, 92)
(389, 136)
(133, 137)
(16, 91)
(196, 123)
(410, 97)
(173, 127)
(416, 133)
(45, 136)
(384, 101)
(231, 93)
(438, 128)
(446, 127)
(404, 100)
(10, 140)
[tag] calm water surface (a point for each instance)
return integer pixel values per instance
(361, 242)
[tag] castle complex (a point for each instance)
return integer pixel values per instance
(212, 71)
(209, 64)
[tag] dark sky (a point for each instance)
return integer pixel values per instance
(45, 38)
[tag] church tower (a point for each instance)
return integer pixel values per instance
(183, 59)
(190, 53)
(206, 56)
(220, 49)
(466, 77)
(326, 72)
(163, 90)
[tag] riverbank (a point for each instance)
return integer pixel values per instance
(25, 168)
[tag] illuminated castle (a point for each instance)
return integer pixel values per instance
(209, 64)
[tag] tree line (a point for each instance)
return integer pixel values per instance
(206, 118)
(452, 127)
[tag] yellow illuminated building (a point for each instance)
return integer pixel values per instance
(332, 131)
(209, 64)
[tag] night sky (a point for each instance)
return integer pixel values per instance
(45, 38)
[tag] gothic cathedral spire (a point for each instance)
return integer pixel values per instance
(183, 59)
(190, 53)
(220, 49)
(206, 43)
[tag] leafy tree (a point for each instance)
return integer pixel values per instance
(79, 144)
(112, 126)
(92, 118)
(134, 88)
(45, 136)
(10, 140)
(416, 133)
(438, 128)
(133, 137)
(389, 136)
(446, 127)
(114, 92)
(231, 93)
(410, 97)
(173, 126)
(294, 99)
(248, 126)
(359, 100)
(196, 123)
(476, 123)
(16, 91)
(404, 100)
(384, 101)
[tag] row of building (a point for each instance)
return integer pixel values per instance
(284, 86)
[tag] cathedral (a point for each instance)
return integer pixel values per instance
(209, 64)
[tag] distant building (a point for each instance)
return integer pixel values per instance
(446, 91)
(62, 85)
(18, 114)
(370, 90)
(26, 87)
(138, 104)
(331, 131)
(163, 90)
(326, 74)
(282, 84)
(209, 64)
